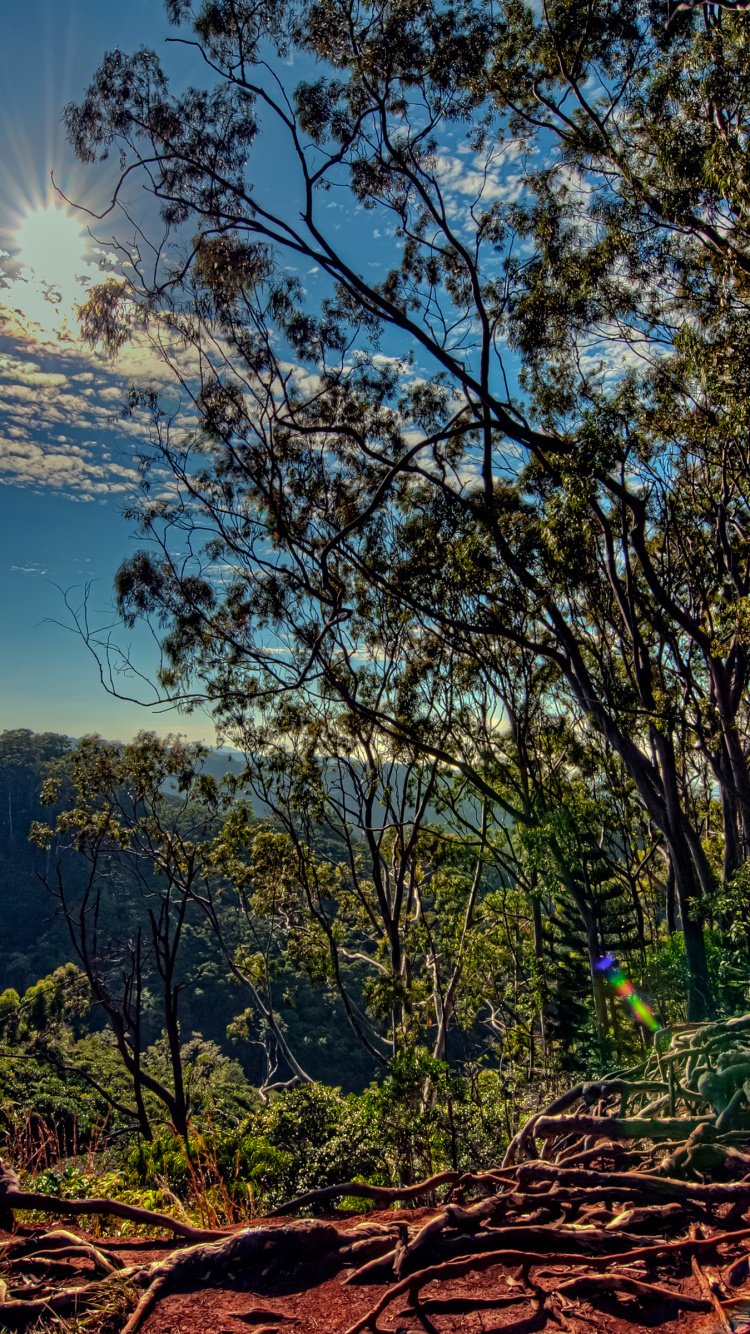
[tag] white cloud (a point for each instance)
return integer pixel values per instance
(56, 418)
(482, 183)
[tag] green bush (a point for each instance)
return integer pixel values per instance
(418, 1121)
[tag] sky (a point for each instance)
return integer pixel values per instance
(67, 457)
(66, 462)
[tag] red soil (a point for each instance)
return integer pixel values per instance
(318, 1302)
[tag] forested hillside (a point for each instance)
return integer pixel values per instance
(37, 938)
(280, 935)
(33, 945)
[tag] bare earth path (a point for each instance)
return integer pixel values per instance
(315, 1301)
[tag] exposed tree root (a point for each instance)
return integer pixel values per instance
(254, 1250)
(381, 1196)
(713, 1289)
(674, 1199)
(435, 1274)
(12, 1197)
(615, 1127)
(588, 1284)
(707, 1070)
(15, 1312)
(258, 1314)
(59, 1246)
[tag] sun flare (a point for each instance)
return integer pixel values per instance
(47, 270)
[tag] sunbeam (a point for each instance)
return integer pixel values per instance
(45, 273)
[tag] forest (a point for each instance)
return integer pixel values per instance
(449, 536)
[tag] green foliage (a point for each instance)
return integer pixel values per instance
(499, 520)
(322, 1136)
(418, 1121)
(427, 1119)
(665, 979)
(589, 585)
(47, 1008)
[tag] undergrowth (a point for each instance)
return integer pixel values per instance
(419, 1120)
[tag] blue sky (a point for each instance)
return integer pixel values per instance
(66, 456)
(65, 464)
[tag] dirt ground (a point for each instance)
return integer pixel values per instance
(316, 1300)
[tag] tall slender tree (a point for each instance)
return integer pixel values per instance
(593, 516)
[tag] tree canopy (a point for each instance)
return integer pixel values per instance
(494, 491)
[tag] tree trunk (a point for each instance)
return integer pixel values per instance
(397, 1009)
(536, 914)
(598, 983)
(732, 855)
(731, 810)
(179, 1108)
(692, 874)
(729, 768)
(638, 912)
(671, 913)
(700, 998)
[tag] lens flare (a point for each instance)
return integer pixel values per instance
(624, 988)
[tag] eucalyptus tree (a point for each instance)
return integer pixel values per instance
(387, 888)
(140, 813)
(577, 833)
(165, 852)
(368, 449)
(27, 759)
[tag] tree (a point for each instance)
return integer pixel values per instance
(367, 863)
(141, 811)
(595, 516)
(27, 760)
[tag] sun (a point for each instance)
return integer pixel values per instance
(46, 269)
